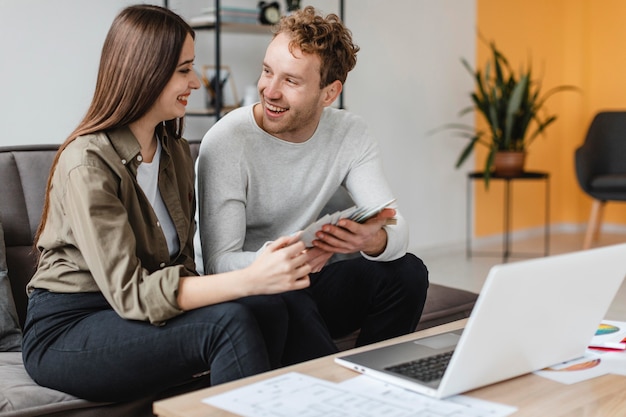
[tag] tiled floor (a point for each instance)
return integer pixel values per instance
(452, 267)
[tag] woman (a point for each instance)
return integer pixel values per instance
(116, 310)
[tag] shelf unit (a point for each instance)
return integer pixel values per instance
(220, 27)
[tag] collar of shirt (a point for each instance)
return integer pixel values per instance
(129, 149)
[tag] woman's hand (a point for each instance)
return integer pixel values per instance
(281, 267)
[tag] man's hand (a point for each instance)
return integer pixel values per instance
(317, 258)
(350, 237)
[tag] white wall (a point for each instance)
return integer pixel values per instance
(50, 51)
(408, 80)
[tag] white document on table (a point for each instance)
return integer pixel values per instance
(596, 361)
(296, 394)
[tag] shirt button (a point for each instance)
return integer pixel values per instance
(139, 158)
(158, 224)
(162, 264)
(124, 161)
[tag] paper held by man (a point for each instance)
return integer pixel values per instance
(354, 213)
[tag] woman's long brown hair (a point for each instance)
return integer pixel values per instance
(139, 56)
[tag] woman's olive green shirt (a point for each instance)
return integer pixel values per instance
(102, 233)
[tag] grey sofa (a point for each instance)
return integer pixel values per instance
(23, 175)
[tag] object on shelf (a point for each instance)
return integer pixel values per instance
(293, 5)
(269, 12)
(227, 15)
(227, 87)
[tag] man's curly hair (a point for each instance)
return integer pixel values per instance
(326, 37)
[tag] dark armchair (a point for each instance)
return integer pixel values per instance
(601, 166)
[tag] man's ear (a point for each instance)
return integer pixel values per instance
(331, 92)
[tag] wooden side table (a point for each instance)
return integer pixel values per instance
(508, 180)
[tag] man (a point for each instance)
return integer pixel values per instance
(269, 170)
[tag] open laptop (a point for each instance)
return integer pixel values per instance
(529, 315)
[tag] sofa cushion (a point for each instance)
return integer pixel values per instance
(19, 392)
(445, 304)
(20, 396)
(10, 332)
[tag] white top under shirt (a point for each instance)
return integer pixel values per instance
(148, 178)
(253, 187)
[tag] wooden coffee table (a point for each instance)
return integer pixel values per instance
(533, 395)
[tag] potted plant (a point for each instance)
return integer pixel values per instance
(513, 109)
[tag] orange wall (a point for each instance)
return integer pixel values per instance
(576, 42)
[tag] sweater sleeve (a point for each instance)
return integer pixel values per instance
(368, 186)
(221, 213)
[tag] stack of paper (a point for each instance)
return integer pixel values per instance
(296, 394)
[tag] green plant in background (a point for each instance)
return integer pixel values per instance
(509, 103)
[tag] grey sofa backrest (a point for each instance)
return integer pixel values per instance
(24, 172)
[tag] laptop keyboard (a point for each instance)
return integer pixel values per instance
(425, 369)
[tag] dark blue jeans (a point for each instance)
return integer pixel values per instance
(382, 299)
(77, 344)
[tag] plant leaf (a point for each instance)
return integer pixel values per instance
(466, 151)
(513, 108)
(510, 103)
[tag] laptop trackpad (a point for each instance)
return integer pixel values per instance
(441, 341)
